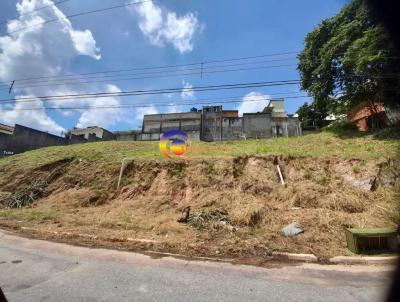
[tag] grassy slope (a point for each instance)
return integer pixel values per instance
(317, 145)
(326, 206)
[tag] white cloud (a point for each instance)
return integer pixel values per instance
(162, 26)
(253, 102)
(102, 117)
(44, 50)
(145, 110)
(36, 119)
(187, 91)
(41, 50)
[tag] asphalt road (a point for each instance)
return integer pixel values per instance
(34, 270)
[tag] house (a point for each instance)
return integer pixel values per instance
(212, 123)
(371, 115)
(92, 133)
(5, 129)
(156, 124)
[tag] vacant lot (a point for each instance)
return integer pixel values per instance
(237, 203)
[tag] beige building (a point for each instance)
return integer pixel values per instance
(6, 129)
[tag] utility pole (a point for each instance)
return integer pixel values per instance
(11, 87)
(220, 125)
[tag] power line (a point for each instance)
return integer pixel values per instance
(78, 15)
(156, 67)
(169, 104)
(105, 74)
(152, 92)
(183, 68)
(159, 76)
(38, 9)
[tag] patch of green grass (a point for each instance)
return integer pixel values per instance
(110, 154)
(322, 180)
(177, 170)
(239, 168)
(131, 224)
(40, 215)
(31, 215)
(9, 213)
(209, 169)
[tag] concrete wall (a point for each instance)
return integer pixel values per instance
(99, 132)
(192, 136)
(25, 139)
(215, 124)
(86, 131)
(148, 137)
(108, 136)
(77, 139)
(186, 121)
(232, 128)
(125, 135)
(5, 144)
(258, 125)
(211, 127)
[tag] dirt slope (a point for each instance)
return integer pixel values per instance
(238, 205)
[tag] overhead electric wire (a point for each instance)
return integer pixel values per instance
(151, 92)
(100, 74)
(198, 68)
(154, 67)
(152, 77)
(164, 104)
(38, 9)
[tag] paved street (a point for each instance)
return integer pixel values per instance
(34, 270)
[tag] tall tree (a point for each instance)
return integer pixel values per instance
(349, 59)
(313, 115)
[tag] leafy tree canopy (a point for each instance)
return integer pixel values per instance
(350, 59)
(313, 115)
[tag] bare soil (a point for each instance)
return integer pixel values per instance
(323, 195)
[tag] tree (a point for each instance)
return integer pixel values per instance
(349, 59)
(306, 115)
(66, 134)
(313, 115)
(193, 109)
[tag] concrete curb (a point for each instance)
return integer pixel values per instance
(295, 257)
(364, 260)
(344, 260)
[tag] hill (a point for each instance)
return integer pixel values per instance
(237, 202)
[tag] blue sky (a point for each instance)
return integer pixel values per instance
(137, 37)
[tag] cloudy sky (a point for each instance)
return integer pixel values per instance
(138, 36)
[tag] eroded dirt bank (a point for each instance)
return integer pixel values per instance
(238, 205)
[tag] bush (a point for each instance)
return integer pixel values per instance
(340, 126)
(388, 133)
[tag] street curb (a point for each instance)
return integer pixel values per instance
(193, 258)
(364, 260)
(295, 257)
(307, 258)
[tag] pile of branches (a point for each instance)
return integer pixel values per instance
(203, 219)
(31, 193)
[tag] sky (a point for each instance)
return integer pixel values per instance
(146, 35)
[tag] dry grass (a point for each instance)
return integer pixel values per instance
(319, 196)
